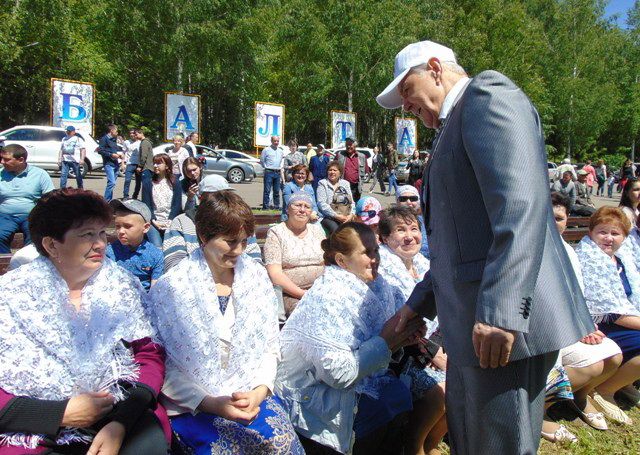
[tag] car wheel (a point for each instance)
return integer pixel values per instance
(235, 175)
(83, 171)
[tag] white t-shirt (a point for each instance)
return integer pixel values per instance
(71, 146)
(177, 158)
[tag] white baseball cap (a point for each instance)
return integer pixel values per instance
(413, 55)
(212, 183)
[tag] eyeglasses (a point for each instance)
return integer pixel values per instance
(369, 213)
(408, 198)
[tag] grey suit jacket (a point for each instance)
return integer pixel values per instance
(496, 255)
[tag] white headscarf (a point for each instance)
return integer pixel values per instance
(184, 309)
(603, 289)
(340, 312)
(50, 351)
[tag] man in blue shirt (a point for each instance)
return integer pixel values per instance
(132, 251)
(21, 185)
(108, 149)
(271, 161)
(318, 166)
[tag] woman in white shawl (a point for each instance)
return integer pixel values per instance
(612, 292)
(216, 314)
(336, 349)
(402, 266)
(79, 371)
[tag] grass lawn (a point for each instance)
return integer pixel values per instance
(619, 440)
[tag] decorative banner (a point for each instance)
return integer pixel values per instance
(268, 121)
(73, 103)
(406, 135)
(343, 125)
(181, 114)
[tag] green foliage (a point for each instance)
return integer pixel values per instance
(581, 71)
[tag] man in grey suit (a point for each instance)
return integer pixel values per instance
(506, 295)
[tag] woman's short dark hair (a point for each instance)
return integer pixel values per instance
(61, 210)
(302, 167)
(334, 164)
(345, 240)
(625, 199)
(560, 200)
(223, 213)
(392, 214)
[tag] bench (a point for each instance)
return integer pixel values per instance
(578, 221)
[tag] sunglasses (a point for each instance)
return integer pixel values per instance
(408, 198)
(369, 213)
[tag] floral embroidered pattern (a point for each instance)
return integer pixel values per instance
(185, 312)
(50, 350)
(394, 271)
(336, 315)
(603, 289)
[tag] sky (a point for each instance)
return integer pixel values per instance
(619, 7)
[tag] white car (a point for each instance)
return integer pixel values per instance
(43, 146)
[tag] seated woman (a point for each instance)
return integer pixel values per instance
(408, 195)
(216, 313)
(79, 372)
(336, 349)
(299, 183)
(191, 176)
(612, 292)
(402, 266)
(592, 360)
(335, 200)
(292, 252)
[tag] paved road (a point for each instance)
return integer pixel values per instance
(252, 192)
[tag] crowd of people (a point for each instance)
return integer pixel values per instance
(340, 380)
(184, 334)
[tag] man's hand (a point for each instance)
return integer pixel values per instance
(108, 440)
(115, 156)
(404, 314)
(492, 345)
(410, 334)
(84, 410)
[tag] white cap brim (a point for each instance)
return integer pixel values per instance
(390, 97)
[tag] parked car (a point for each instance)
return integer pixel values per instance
(402, 169)
(245, 158)
(43, 146)
(235, 171)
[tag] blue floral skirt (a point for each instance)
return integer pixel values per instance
(270, 433)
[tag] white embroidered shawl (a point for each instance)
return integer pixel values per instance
(339, 313)
(396, 274)
(603, 289)
(186, 314)
(50, 351)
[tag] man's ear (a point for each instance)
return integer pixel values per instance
(435, 66)
(146, 228)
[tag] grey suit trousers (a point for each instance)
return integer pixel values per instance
(497, 411)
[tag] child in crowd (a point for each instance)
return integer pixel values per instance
(132, 251)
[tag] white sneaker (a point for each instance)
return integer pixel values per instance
(610, 410)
